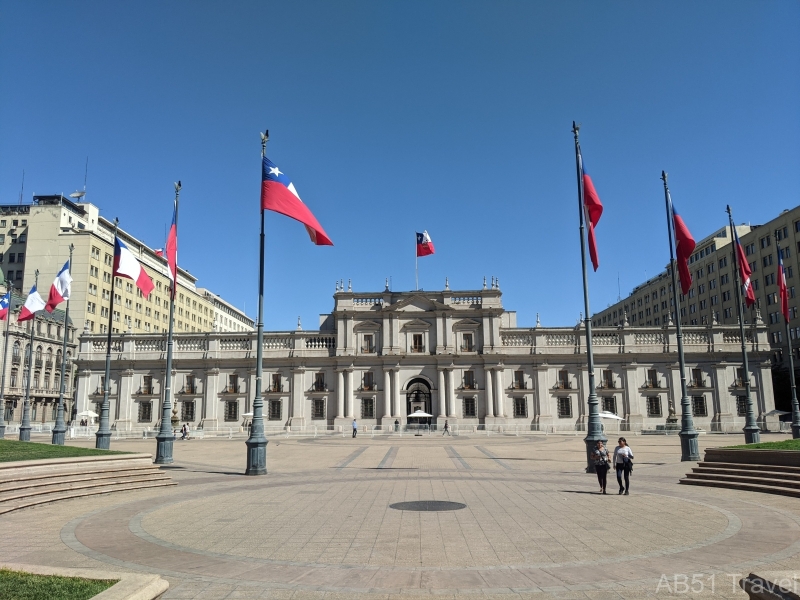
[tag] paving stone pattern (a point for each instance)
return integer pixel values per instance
(320, 524)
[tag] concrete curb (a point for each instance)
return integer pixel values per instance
(131, 586)
(782, 458)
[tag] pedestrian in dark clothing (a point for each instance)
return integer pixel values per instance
(446, 428)
(623, 462)
(355, 428)
(601, 465)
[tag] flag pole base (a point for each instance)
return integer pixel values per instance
(690, 450)
(164, 449)
(25, 434)
(256, 456)
(58, 436)
(103, 440)
(795, 431)
(752, 434)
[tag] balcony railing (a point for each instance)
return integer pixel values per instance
(38, 363)
(230, 389)
(367, 349)
(15, 360)
(48, 364)
(563, 385)
(145, 390)
(419, 349)
(319, 386)
(519, 385)
(607, 385)
(275, 388)
(469, 386)
(188, 389)
(369, 387)
(697, 383)
(652, 385)
(467, 348)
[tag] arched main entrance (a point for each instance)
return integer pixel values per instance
(418, 397)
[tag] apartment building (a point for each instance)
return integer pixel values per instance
(226, 316)
(38, 236)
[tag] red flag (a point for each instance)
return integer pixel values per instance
(278, 194)
(172, 250)
(782, 290)
(684, 246)
(744, 272)
(593, 209)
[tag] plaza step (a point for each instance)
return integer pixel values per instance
(31, 483)
(768, 479)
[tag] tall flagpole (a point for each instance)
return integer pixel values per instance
(257, 442)
(751, 430)
(60, 427)
(165, 437)
(25, 426)
(795, 405)
(689, 447)
(416, 262)
(594, 430)
(103, 434)
(3, 375)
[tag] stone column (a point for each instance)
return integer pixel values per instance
(124, 400)
(297, 397)
(396, 393)
(387, 396)
(489, 395)
(340, 394)
(349, 393)
(500, 392)
(451, 399)
(544, 412)
(441, 395)
(210, 403)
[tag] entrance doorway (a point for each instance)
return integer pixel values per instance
(418, 397)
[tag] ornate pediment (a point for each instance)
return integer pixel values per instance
(466, 324)
(417, 303)
(417, 324)
(367, 326)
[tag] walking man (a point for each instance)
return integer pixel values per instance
(446, 428)
(355, 427)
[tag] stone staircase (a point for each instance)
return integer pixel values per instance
(766, 471)
(34, 482)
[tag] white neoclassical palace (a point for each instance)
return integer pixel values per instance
(457, 355)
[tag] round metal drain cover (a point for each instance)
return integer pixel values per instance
(428, 505)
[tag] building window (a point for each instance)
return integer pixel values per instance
(369, 381)
(190, 387)
(563, 381)
(741, 406)
(608, 378)
(147, 384)
(520, 408)
(318, 408)
(276, 385)
(564, 408)
(275, 410)
(187, 411)
(232, 410)
(466, 344)
(610, 405)
(519, 380)
(699, 406)
(145, 412)
(469, 380)
(368, 408)
(369, 345)
(417, 343)
(319, 382)
(652, 379)
(470, 408)
(653, 406)
(233, 384)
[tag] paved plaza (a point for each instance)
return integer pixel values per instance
(320, 525)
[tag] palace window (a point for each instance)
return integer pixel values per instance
(319, 382)
(369, 382)
(610, 405)
(563, 381)
(741, 406)
(417, 343)
(232, 410)
(233, 384)
(147, 384)
(564, 408)
(369, 344)
(653, 406)
(519, 380)
(190, 386)
(318, 408)
(470, 408)
(187, 411)
(466, 345)
(699, 408)
(275, 410)
(469, 380)
(520, 408)
(276, 385)
(368, 408)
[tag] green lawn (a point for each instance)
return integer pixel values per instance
(26, 586)
(782, 445)
(11, 450)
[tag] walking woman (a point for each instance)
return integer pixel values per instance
(601, 465)
(623, 461)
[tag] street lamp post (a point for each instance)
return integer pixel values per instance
(60, 427)
(103, 434)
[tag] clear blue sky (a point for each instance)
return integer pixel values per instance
(392, 117)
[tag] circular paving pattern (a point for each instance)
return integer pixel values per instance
(428, 506)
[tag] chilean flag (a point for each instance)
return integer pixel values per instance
(684, 246)
(744, 273)
(593, 209)
(32, 305)
(59, 291)
(278, 195)
(126, 265)
(4, 301)
(159, 252)
(172, 251)
(782, 290)
(424, 244)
